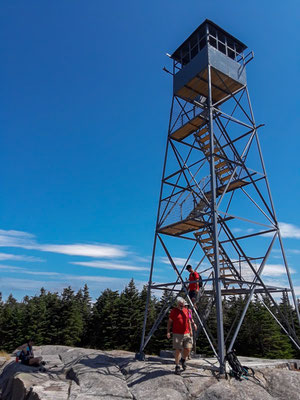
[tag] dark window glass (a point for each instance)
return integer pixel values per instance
(238, 48)
(212, 31)
(230, 43)
(221, 37)
(202, 43)
(185, 49)
(201, 32)
(185, 59)
(221, 47)
(194, 40)
(194, 51)
(213, 42)
(231, 53)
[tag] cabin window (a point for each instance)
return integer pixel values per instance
(202, 43)
(221, 37)
(194, 51)
(212, 31)
(222, 47)
(231, 53)
(213, 41)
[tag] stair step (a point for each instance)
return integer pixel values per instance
(216, 149)
(203, 131)
(220, 164)
(223, 171)
(206, 146)
(208, 248)
(225, 178)
(206, 240)
(212, 255)
(201, 233)
(204, 139)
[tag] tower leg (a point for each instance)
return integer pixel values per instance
(214, 220)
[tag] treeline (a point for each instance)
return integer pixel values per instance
(115, 320)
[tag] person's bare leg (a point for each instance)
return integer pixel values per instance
(177, 356)
(186, 353)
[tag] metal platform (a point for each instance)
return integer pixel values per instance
(189, 127)
(222, 86)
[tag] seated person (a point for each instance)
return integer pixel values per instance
(25, 354)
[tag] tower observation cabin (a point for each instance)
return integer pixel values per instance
(209, 44)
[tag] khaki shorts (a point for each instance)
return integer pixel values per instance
(181, 341)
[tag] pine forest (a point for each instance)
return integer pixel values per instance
(115, 320)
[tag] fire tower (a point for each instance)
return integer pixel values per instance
(215, 206)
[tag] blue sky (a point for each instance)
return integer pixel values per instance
(84, 113)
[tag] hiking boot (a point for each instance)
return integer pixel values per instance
(177, 370)
(183, 363)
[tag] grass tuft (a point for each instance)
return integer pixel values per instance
(3, 353)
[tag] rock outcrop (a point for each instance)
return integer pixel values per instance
(83, 374)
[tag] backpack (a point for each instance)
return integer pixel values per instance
(197, 277)
(200, 281)
(238, 370)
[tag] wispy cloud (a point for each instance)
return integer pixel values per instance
(242, 231)
(20, 270)
(13, 257)
(179, 262)
(87, 250)
(96, 284)
(270, 271)
(21, 284)
(293, 251)
(275, 270)
(107, 265)
(277, 282)
(26, 240)
(13, 233)
(297, 290)
(289, 230)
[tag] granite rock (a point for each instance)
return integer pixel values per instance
(85, 374)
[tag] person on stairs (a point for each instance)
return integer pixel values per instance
(195, 283)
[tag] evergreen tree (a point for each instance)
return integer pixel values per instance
(52, 319)
(71, 319)
(129, 314)
(34, 317)
(84, 301)
(151, 316)
(160, 341)
(11, 331)
(270, 341)
(105, 321)
(116, 321)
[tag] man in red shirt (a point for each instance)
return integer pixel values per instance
(181, 328)
(194, 286)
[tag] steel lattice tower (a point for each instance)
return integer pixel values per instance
(215, 205)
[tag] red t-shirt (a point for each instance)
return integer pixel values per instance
(194, 276)
(180, 320)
